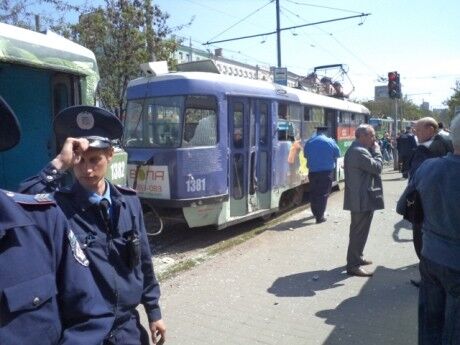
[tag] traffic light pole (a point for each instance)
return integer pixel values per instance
(395, 151)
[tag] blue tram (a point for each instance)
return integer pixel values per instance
(209, 149)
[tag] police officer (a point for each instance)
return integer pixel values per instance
(48, 295)
(321, 153)
(106, 218)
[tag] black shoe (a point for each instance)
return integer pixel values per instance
(365, 262)
(414, 282)
(359, 272)
(321, 220)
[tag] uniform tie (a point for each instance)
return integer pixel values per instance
(104, 206)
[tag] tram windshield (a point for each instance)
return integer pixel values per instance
(157, 122)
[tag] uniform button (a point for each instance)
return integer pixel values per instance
(54, 171)
(36, 301)
(49, 178)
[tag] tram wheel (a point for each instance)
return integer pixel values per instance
(153, 223)
(297, 196)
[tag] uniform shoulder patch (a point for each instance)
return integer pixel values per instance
(126, 190)
(78, 253)
(26, 199)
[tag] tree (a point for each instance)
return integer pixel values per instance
(385, 107)
(124, 34)
(27, 15)
(454, 100)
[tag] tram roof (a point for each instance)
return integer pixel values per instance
(183, 83)
(45, 50)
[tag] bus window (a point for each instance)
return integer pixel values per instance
(200, 125)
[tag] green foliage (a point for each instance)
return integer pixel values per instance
(23, 13)
(385, 107)
(122, 37)
(454, 100)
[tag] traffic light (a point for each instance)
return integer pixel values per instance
(394, 85)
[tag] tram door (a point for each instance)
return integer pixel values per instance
(244, 144)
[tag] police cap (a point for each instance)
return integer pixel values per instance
(97, 125)
(10, 132)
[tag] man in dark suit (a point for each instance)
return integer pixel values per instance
(363, 194)
(405, 144)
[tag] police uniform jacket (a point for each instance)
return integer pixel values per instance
(107, 249)
(47, 292)
(363, 185)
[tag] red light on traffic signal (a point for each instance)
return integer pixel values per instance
(392, 76)
(394, 85)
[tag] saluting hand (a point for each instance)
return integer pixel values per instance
(158, 330)
(70, 154)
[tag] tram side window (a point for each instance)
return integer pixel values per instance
(288, 121)
(295, 115)
(360, 118)
(263, 115)
(345, 125)
(238, 125)
(200, 125)
(313, 117)
(238, 173)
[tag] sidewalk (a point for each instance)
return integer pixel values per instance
(288, 286)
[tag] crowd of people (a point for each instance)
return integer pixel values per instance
(429, 157)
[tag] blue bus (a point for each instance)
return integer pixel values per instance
(214, 150)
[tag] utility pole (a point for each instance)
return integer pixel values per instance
(278, 32)
(395, 153)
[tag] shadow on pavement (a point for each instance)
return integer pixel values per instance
(292, 225)
(306, 284)
(384, 312)
(402, 225)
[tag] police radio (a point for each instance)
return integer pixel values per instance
(133, 246)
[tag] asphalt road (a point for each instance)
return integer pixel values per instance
(288, 286)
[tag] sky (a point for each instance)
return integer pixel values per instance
(414, 37)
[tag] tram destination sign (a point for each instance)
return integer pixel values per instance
(280, 75)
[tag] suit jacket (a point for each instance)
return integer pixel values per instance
(363, 185)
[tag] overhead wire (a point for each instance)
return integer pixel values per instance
(319, 6)
(242, 20)
(330, 34)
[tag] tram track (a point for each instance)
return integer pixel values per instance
(178, 248)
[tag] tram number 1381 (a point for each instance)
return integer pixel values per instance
(196, 185)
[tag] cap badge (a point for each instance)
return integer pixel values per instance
(85, 120)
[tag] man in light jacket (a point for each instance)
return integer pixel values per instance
(363, 194)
